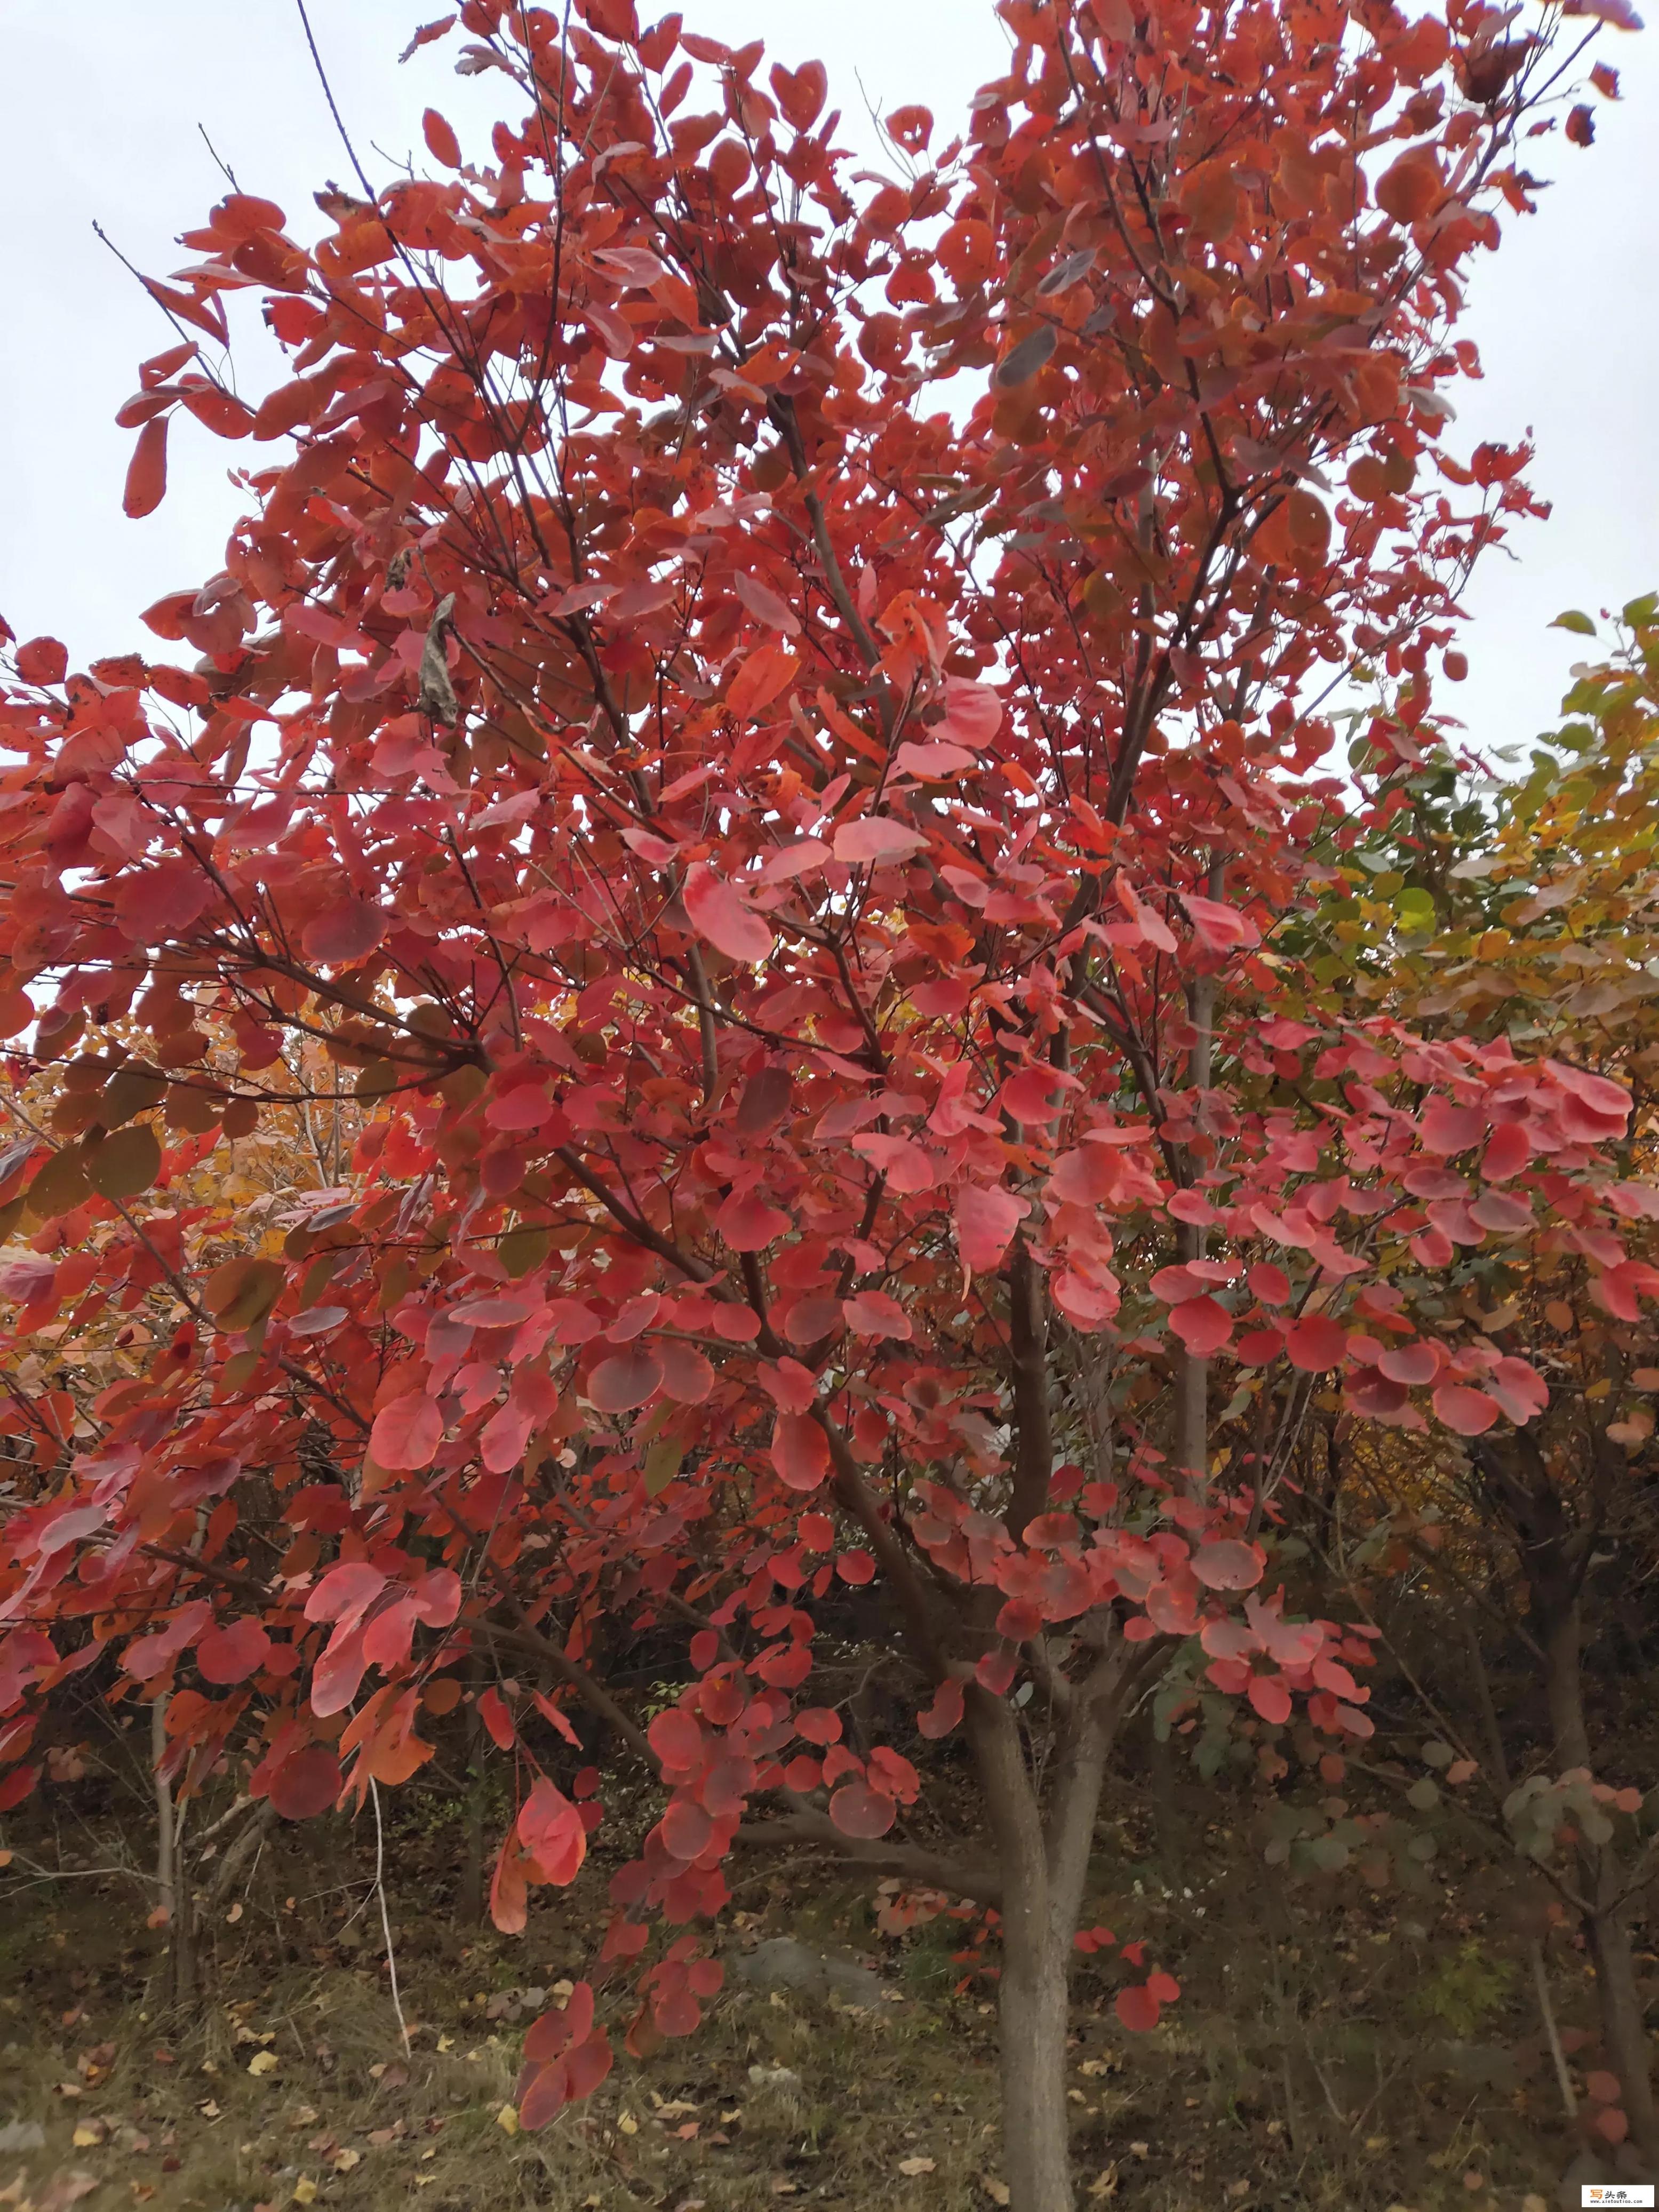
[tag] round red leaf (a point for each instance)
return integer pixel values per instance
(678, 1742)
(1226, 1564)
(232, 1653)
(1470, 1412)
(306, 1784)
(627, 1379)
(800, 1451)
(859, 1810)
(686, 1829)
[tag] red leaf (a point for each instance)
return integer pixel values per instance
(441, 141)
(1218, 929)
(687, 1376)
(769, 670)
(1604, 2088)
(1138, 2009)
(748, 1223)
(973, 714)
(858, 1810)
(1448, 1129)
(800, 1451)
(873, 1313)
(232, 1653)
(147, 471)
(1316, 1342)
(1226, 1564)
(985, 1221)
(348, 932)
(1509, 1148)
(552, 1832)
(721, 916)
(800, 92)
(1203, 1325)
(874, 839)
(493, 1712)
(1413, 1364)
(627, 1379)
(1470, 1412)
(1270, 1698)
(678, 1741)
(686, 1829)
(306, 1784)
(938, 1718)
(407, 1432)
(42, 660)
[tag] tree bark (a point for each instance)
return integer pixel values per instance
(1043, 1853)
(1623, 2025)
(1607, 1930)
(1035, 2011)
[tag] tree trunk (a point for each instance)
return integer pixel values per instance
(1043, 1852)
(1607, 1931)
(470, 1901)
(1034, 2012)
(1623, 2027)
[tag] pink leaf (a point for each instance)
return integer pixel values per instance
(687, 1376)
(502, 1442)
(1448, 1129)
(986, 1222)
(627, 1379)
(873, 1313)
(719, 914)
(407, 1432)
(686, 1829)
(1470, 1412)
(678, 1741)
(1203, 1325)
(1270, 1698)
(551, 1832)
(973, 713)
(876, 838)
(1316, 1342)
(800, 1451)
(1226, 1564)
(305, 1784)
(1413, 1364)
(748, 1223)
(346, 932)
(232, 1653)
(1508, 1150)
(1218, 929)
(938, 1718)
(858, 1810)
(1519, 1389)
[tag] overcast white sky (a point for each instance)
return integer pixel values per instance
(101, 107)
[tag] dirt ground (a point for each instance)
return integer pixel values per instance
(1330, 2051)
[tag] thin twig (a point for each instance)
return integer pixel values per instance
(386, 1920)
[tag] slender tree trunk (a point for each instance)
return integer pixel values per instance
(1192, 1439)
(1607, 1930)
(165, 1894)
(1035, 2011)
(1624, 2028)
(470, 1900)
(172, 1880)
(1043, 1854)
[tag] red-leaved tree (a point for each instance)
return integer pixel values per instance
(762, 721)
